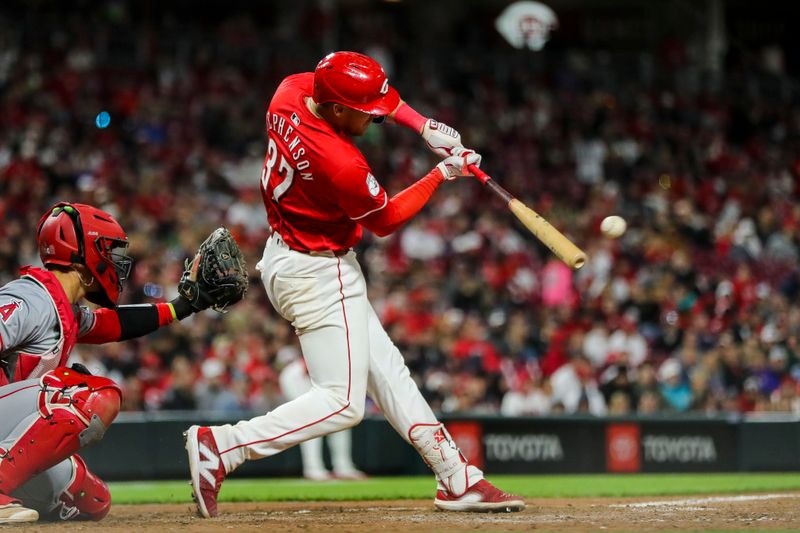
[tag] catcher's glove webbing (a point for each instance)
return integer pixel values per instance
(217, 276)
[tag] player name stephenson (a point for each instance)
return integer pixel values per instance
(286, 132)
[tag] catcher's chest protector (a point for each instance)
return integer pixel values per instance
(55, 345)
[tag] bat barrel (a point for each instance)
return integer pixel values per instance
(560, 245)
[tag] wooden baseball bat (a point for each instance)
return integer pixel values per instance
(562, 247)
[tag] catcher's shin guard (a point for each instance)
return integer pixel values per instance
(441, 454)
(73, 411)
(86, 498)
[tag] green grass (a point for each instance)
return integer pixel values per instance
(389, 488)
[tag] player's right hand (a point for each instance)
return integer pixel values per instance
(456, 165)
(441, 138)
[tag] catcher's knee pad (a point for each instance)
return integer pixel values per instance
(87, 496)
(73, 411)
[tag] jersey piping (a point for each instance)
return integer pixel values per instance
(385, 201)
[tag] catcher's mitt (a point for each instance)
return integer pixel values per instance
(217, 276)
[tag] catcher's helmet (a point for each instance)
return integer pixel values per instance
(71, 234)
(356, 81)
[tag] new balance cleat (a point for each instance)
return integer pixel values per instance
(206, 468)
(482, 497)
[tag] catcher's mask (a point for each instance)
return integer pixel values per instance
(70, 234)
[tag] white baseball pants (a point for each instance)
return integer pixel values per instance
(347, 352)
(294, 383)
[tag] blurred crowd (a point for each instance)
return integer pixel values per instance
(694, 308)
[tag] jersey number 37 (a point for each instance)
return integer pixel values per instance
(283, 168)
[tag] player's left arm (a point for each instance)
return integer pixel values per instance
(440, 138)
(129, 321)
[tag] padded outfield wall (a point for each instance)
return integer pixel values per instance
(142, 446)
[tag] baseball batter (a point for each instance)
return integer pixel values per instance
(319, 192)
(49, 412)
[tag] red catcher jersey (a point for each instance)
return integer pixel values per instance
(315, 183)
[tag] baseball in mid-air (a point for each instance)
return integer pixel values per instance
(613, 226)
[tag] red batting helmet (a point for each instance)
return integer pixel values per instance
(81, 234)
(356, 81)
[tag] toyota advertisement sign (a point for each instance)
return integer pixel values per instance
(581, 445)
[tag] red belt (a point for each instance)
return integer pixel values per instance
(325, 253)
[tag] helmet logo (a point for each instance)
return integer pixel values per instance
(385, 86)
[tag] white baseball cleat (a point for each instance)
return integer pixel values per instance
(206, 468)
(12, 511)
(482, 497)
(351, 474)
(317, 475)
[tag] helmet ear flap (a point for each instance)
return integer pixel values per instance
(79, 256)
(60, 236)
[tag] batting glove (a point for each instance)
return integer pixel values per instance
(456, 165)
(441, 138)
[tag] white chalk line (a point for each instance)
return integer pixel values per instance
(701, 501)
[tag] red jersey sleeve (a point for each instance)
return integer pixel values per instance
(359, 193)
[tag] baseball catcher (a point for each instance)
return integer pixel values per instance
(49, 412)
